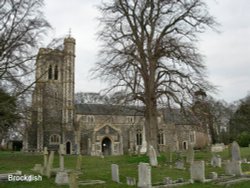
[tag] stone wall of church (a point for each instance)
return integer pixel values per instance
(95, 128)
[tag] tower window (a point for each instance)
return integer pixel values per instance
(50, 73)
(56, 73)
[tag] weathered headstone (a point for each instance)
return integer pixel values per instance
(190, 154)
(144, 175)
(73, 180)
(115, 173)
(152, 156)
(216, 161)
(197, 171)
(50, 164)
(233, 168)
(131, 181)
(235, 151)
(79, 162)
(179, 165)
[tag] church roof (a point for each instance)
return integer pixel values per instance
(179, 118)
(107, 109)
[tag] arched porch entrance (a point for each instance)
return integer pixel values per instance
(106, 146)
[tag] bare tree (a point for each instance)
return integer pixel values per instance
(150, 50)
(22, 26)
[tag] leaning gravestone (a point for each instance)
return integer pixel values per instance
(190, 154)
(197, 171)
(115, 173)
(235, 151)
(144, 175)
(152, 156)
(50, 164)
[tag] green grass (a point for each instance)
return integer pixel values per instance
(96, 168)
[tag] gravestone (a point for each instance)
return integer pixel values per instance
(179, 165)
(45, 160)
(190, 154)
(235, 151)
(79, 162)
(216, 161)
(115, 173)
(73, 182)
(50, 164)
(62, 177)
(213, 175)
(131, 181)
(144, 175)
(197, 171)
(152, 156)
(233, 168)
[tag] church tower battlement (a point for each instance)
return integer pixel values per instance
(53, 99)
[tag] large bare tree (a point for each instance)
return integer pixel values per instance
(22, 26)
(150, 51)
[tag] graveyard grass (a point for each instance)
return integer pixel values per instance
(96, 168)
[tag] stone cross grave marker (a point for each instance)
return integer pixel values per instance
(62, 177)
(50, 164)
(61, 155)
(235, 151)
(115, 173)
(216, 161)
(197, 171)
(190, 154)
(233, 168)
(152, 156)
(144, 175)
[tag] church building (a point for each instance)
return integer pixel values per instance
(94, 129)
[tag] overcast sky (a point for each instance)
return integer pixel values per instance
(227, 53)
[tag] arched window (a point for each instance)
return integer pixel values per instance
(161, 137)
(55, 139)
(56, 73)
(50, 73)
(139, 137)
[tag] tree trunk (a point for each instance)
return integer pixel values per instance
(151, 124)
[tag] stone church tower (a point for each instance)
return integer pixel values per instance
(53, 99)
